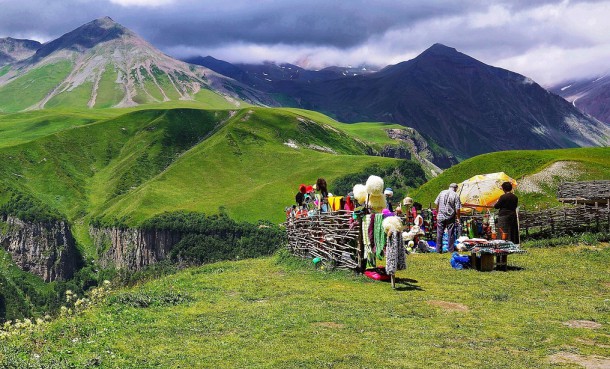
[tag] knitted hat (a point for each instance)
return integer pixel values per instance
(388, 192)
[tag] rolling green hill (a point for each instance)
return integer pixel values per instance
(538, 173)
(130, 167)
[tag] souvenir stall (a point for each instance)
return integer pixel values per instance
(355, 232)
(480, 234)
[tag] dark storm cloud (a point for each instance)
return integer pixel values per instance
(514, 34)
(212, 23)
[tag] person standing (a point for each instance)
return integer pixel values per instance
(507, 216)
(322, 195)
(448, 213)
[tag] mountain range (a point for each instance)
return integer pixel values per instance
(13, 50)
(591, 96)
(454, 101)
(103, 64)
(459, 102)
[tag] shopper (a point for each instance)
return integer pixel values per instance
(448, 214)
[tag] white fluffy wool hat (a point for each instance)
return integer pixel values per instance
(374, 185)
(377, 202)
(360, 193)
(391, 224)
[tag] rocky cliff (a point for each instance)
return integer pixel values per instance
(131, 248)
(46, 249)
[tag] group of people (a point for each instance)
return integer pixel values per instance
(448, 207)
(317, 197)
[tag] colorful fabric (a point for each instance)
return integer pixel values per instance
(366, 240)
(371, 232)
(395, 253)
(366, 221)
(349, 204)
(335, 202)
(380, 236)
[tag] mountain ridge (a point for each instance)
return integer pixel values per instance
(103, 64)
(13, 50)
(461, 103)
(591, 95)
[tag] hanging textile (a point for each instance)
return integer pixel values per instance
(395, 253)
(371, 232)
(492, 222)
(380, 236)
(335, 202)
(366, 240)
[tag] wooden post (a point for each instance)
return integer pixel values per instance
(596, 217)
(361, 259)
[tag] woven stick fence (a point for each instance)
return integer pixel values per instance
(565, 220)
(333, 237)
(585, 191)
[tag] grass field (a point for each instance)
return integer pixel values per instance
(281, 313)
(593, 164)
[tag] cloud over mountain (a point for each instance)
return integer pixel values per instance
(544, 40)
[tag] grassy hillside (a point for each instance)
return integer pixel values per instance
(246, 168)
(133, 166)
(33, 86)
(582, 164)
(265, 313)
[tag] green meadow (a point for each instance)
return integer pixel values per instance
(280, 312)
(124, 166)
(590, 164)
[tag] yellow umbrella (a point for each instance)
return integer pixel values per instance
(483, 190)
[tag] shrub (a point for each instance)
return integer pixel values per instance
(406, 174)
(147, 299)
(214, 238)
(29, 208)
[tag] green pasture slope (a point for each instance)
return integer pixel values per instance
(592, 164)
(279, 313)
(33, 86)
(127, 165)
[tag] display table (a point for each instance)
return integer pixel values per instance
(492, 255)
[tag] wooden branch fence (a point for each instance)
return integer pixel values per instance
(336, 237)
(589, 192)
(333, 237)
(565, 220)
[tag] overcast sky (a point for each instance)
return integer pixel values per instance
(548, 41)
